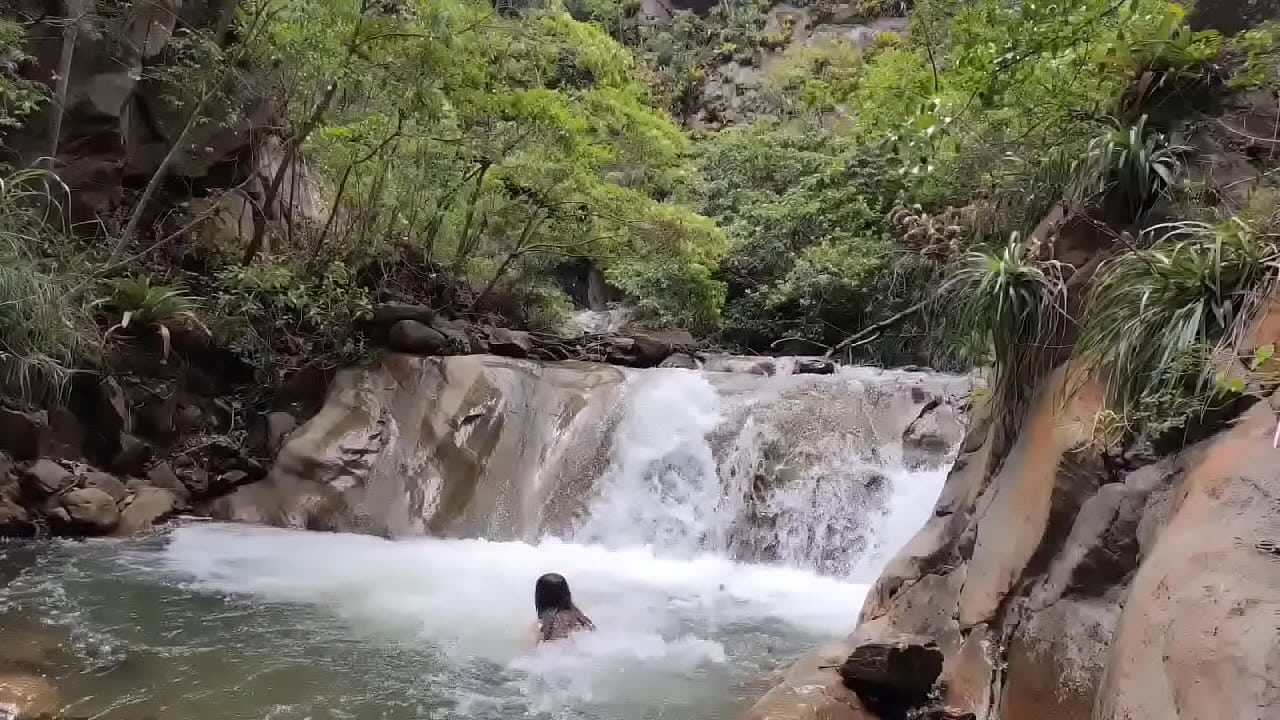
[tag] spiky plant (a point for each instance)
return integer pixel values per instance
(1155, 318)
(44, 331)
(1014, 304)
(146, 306)
(1133, 167)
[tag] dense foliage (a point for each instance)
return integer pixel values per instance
(879, 198)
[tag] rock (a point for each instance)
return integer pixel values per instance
(21, 433)
(163, 476)
(927, 442)
(391, 313)
(108, 484)
(812, 690)
(26, 696)
(190, 418)
(683, 361)
(279, 425)
(1055, 659)
(91, 509)
(458, 338)
(1038, 488)
(29, 645)
(149, 506)
(15, 521)
(302, 391)
(509, 343)
(132, 455)
(677, 340)
(195, 479)
(66, 435)
(649, 350)
(967, 678)
(1197, 635)
(414, 338)
(734, 364)
(896, 673)
(814, 366)
(45, 478)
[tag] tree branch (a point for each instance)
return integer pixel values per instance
(868, 333)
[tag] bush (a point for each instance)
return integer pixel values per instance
(19, 96)
(1156, 318)
(46, 330)
(805, 214)
(141, 304)
(676, 294)
(1132, 168)
(1014, 305)
(273, 308)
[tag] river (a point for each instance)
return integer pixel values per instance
(696, 608)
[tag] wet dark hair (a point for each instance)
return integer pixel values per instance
(551, 594)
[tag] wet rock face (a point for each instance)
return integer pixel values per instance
(426, 445)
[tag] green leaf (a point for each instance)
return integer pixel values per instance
(1262, 355)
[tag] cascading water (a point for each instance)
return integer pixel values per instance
(714, 525)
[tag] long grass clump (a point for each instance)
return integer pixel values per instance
(44, 332)
(1156, 318)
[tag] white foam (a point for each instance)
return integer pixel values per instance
(472, 599)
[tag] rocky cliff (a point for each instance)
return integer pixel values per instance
(1056, 587)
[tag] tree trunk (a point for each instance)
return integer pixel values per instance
(74, 11)
(226, 15)
(525, 234)
(273, 190)
(464, 240)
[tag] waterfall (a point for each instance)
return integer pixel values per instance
(714, 525)
(799, 470)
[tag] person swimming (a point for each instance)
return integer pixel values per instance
(558, 617)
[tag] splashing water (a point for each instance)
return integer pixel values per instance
(737, 523)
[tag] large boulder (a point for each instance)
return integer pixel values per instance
(388, 314)
(813, 690)
(150, 505)
(682, 361)
(459, 337)
(163, 476)
(509, 343)
(44, 478)
(650, 350)
(91, 510)
(814, 366)
(131, 455)
(415, 338)
(928, 441)
(107, 483)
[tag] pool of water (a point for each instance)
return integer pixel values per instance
(220, 621)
